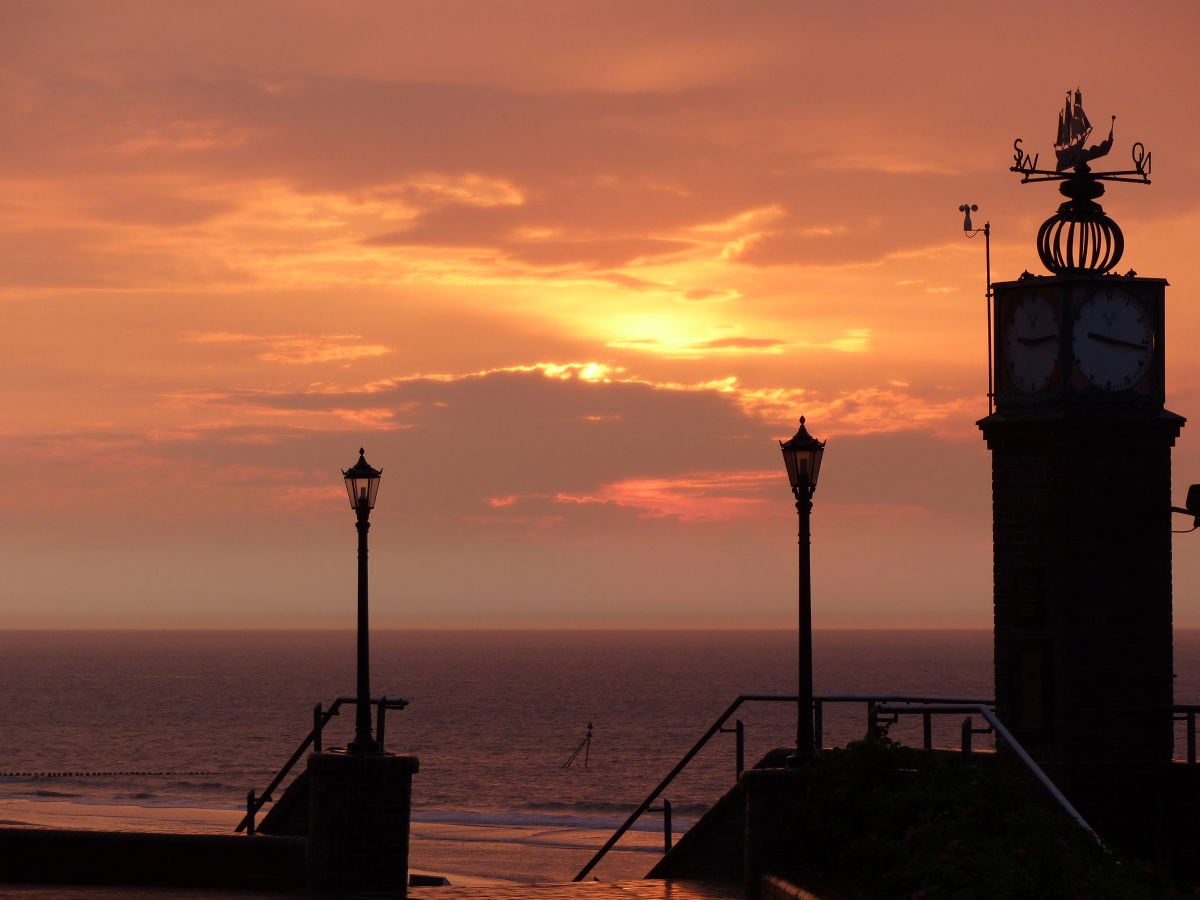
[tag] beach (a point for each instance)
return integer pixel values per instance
(465, 854)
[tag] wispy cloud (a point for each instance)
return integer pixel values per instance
(295, 349)
(696, 497)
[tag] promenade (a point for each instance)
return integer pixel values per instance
(649, 889)
(646, 889)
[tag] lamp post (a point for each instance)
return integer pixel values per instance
(362, 485)
(802, 457)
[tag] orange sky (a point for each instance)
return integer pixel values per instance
(567, 270)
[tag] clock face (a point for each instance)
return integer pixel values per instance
(1113, 340)
(1031, 343)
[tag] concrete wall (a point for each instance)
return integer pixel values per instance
(52, 856)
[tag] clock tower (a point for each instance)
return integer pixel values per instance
(1081, 481)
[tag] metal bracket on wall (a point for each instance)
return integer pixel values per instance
(1191, 507)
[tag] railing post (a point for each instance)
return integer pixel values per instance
(250, 813)
(872, 718)
(966, 736)
(1191, 737)
(819, 723)
(317, 726)
(927, 723)
(740, 753)
(739, 746)
(668, 826)
(379, 722)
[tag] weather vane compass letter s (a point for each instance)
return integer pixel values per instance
(1080, 237)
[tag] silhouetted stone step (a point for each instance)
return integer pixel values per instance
(289, 814)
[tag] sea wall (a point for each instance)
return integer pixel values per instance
(53, 856)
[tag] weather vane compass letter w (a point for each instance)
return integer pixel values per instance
(1080, 237)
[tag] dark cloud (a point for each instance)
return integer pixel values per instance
(524, 432)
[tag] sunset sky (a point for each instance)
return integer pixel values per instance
(567, 270)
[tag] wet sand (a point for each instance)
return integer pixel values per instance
(465, 854)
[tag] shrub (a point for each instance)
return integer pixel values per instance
(905, 823)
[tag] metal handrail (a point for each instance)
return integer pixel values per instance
(718, 727)
(254, 802)
(679, 767)
(1014, 745)
(924, 706)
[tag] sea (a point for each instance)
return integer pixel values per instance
(169, 730)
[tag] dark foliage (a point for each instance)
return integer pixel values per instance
(904, 823)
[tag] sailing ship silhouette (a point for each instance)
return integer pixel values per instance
(1074, 129)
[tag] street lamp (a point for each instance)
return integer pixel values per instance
(802, 457)
(362, 485)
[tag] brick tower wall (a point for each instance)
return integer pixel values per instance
(1082, 574)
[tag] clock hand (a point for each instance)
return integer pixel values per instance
(1116, 342)
(1033, 342)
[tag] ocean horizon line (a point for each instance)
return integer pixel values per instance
(488, 629)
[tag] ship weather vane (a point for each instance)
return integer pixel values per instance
(1080, 237)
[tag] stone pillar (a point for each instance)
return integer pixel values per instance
(359, 810)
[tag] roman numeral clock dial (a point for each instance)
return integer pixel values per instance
(1113, 340)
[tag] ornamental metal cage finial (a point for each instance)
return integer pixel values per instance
(1080, 237)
